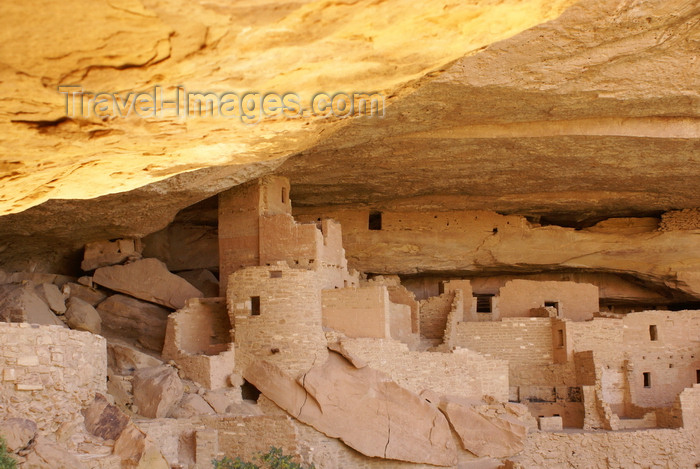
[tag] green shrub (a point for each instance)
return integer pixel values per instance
(273, 459)
(6, 461)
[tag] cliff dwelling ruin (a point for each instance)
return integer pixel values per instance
(499, 268)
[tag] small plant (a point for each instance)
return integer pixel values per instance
(6, 461)
(273, 459)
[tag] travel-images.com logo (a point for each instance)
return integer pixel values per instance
(248, 107)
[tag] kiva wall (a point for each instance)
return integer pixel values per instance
(276, 315)
(49, 373)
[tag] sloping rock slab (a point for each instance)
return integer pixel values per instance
(135, 319)
(362, 407)
(149, 280)
(484, 435)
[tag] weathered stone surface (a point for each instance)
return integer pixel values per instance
(156, 390)
(484, 435)
(48, 455)
(221, 399)
(85, 293)
(147, 279)
(119, 55)
(104, 253)
(137, 451)
(18, 433)
(52, 296)
(124, 359)
(413, 242)
(203, 280)
(83, 317)
(191, 405)
(35, 277)
(132, 318)
(119, 387)
(362, 407)
(104, 419)
(20, 303)
(184, 246)
(536, 124)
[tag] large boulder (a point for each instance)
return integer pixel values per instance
(82, 316)
(191, 405)
(124, 359)
(147, 279)
(88, 294)
(20, 303)
(363, 407)
(138, 451)
(156, 390)
(203, 280)
(482, 434)
(46, 454)
(52, 296)
(104, 253)
(104, 419)
(135, 319)
(18, 433)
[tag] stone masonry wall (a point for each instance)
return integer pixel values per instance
(357, 312)
(433, 315)
(687, 219)
(49, 373)
(198, 338)
(648, 448)
(665, 345)
(577, 301)
(462, 372)
(518, 340)
(288, 327)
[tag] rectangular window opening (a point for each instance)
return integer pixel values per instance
(647, 379)
(255, 306)
(653, 334)
(275, 274)
(284, 195)
(375, 221)
(552, 304)
(483, 303)
(697, 376)
(560, 338)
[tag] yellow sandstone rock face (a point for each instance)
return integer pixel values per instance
(570, 110)
(129, 45)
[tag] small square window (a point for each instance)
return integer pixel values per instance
(552, 304)
(483, 303)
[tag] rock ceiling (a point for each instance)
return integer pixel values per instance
(555, 108)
